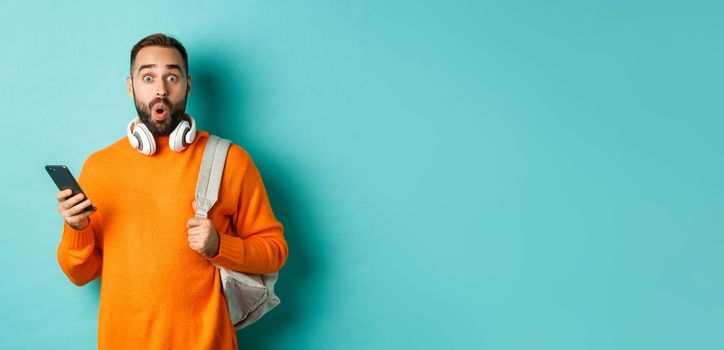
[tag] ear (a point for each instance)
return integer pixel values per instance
(188, 86)
(129, 86)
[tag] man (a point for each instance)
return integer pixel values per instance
(159, 289)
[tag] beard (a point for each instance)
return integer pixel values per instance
(164, 127)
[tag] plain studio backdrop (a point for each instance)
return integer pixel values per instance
(453, 174)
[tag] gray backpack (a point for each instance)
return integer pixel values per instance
(248, 297)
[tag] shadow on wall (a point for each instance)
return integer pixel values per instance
(220, 104)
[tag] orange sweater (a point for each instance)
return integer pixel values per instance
(156, 292)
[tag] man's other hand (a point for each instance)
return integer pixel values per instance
(203, 237)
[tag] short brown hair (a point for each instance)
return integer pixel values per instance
(162, 40)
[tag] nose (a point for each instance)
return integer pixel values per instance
(161, 90)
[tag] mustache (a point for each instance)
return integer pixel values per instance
(160, 100)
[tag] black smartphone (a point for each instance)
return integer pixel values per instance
(64, 179)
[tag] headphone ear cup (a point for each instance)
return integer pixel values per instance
(132, 139)
(183, 137)
(176, 140)
(146, 144)
(191, 135)
(138, 142)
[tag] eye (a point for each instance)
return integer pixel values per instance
(147, 78)
(172, 78)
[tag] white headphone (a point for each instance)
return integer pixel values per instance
(141, 138)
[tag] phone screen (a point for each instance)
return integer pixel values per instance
(64, 179)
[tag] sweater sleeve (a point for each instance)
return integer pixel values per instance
(78, 255)
(259, 246)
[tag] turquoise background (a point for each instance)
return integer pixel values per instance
(457, 175)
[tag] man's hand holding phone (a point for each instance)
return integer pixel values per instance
(73, 209)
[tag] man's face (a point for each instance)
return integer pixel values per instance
(159, 87)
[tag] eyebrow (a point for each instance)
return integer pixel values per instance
(169, 66)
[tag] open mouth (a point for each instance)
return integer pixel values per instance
(159, 111)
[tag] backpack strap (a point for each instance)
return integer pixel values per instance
(212, 168)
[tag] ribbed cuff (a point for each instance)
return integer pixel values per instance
(74, 239)
(231, 251)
